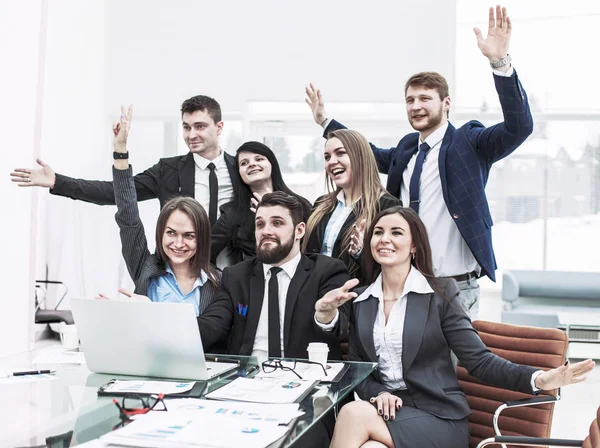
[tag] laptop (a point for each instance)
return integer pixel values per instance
(143, 339)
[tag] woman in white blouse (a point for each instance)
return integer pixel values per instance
(408, 321)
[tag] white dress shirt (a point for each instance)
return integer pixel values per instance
(451, 255)
(202, 190)
(336, 222)
(388, 337)
(284, 277)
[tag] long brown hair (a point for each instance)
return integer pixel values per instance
(422, 260)
(192, 208)
(365, 178)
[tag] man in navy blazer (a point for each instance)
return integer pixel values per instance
(447, 186)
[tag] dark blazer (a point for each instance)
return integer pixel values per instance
(432, 327)
(170, 177)
(243, 285)
(315, 241)
(228, 232)
(465, 160)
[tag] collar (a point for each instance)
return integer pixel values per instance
(415, 282)
(341, 198)
(202, 162)
(437, 136)
(201, 280)
(289, 266)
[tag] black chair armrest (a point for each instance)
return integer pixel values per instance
(529, 441)
(532, 401)
(542, 399)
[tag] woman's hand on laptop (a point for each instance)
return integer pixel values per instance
(130, 296)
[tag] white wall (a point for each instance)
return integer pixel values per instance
(19, 47)
(155, 54)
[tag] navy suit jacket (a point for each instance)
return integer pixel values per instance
(465, 160)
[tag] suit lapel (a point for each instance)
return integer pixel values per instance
(186, 168)
(301, 275)
(409, 148)
(417, 311)
(365, 320)
(446, 142)
(255, 302)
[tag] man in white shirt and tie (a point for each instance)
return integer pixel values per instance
(206, 173)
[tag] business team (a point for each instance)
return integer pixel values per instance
(402, 280)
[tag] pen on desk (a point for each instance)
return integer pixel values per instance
(33, 372)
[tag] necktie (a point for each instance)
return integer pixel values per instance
(274, 326)
(213, 188)
(415, 179)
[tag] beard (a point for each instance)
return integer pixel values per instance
(432, 122)
(275, 254)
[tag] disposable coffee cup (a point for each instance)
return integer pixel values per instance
(68, 336)
(317, 352)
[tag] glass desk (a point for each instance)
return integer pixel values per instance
(66, 410)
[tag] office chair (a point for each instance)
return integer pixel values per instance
(544, 348)
(51, 316)
(591, 441)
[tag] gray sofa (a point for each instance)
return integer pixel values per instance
(554, 299)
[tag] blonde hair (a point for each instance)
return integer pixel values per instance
(365, 178)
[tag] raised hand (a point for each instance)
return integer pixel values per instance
(27, 177)
(357, 238)
(387, 405)
(326, 307)
(121, 129)
(256, 199)
(316, 104)
(564, 375)
(495, 45)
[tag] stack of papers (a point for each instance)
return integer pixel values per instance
(59, 356)
(196, 429)
(279, 414)
(263, 390)
(146, 387)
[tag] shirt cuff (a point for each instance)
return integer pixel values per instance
(329, 326)
(326, 123)
(506, 74)
(533, 378)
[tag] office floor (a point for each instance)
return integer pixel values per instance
(575, 411)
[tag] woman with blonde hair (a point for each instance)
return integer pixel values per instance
(355, 195)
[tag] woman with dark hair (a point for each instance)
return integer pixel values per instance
(260, 173)
(179, 271)
(355, 195)
(408, 321)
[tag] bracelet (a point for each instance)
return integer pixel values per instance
(120, 155)
(324, 121)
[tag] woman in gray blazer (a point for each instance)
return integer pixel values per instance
(408, 321)
(179, 270)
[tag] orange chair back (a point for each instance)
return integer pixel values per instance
(543, 348)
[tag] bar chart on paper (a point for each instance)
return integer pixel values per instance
(169, 429)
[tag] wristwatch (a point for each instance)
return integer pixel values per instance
(120, 155)
(497, 63)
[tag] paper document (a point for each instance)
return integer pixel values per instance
(306, 371)
(263, 390)
(279, 414)
(59, 356)
(181, 429)
(147, 387)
